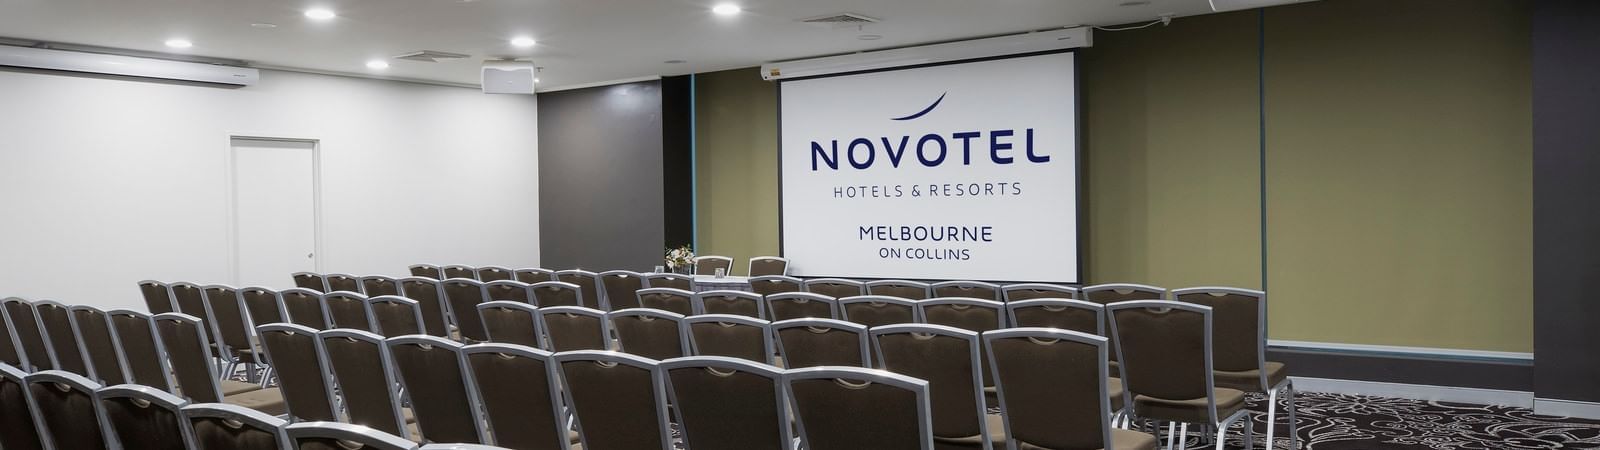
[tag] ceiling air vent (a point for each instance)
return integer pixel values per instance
(429, 56)
(841, 20)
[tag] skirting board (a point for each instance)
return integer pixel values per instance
(1566, 408)
(1477, 396)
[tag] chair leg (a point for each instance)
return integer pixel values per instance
(1272, 415)
(1250, 434)
(1171, 436)
(1183, 435)
(1294, 435)
(1222, 431)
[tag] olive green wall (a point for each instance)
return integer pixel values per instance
(1398, 166)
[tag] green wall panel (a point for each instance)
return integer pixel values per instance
(736, 157)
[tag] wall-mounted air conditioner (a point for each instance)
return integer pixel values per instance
(1038, 41)
(39, 58)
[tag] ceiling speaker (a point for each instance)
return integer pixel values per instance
(508, 77)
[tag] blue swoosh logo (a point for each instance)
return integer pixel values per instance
(924, 110)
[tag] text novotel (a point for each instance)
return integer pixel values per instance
(931, 149)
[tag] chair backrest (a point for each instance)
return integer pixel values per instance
(190, 299)
(264, 305)
(304, 307)
(216, 426)
(33, 348)
(393, 315)
(731, 302)
(669, 280)
(1075, 315)
(142, 353)
(433, 371)
(532, 275)
(343, 282)
(835, 287)
(569, 328)
(364, 371)
(512, 323)
(230, 327)
(1239, 326)
(494, 273)
(347, 309)
(296, 355)
(821, 342)
(309, 280)
(1166, 349)
(100, 356)
(521, 395)
(800, 305)
(464, 295)
(459, 271)
(914, 290)
(1052, 387)
(728, 403)
(761, 266)
(668, 299)
(901, 417)
(427, 271)
(19, 427)
(66, 406)
(589, 282)
(557, 293)
(651, 333)
(189, 351)
(342, 436)
(878, 310)
(1121, 292)
(157, 297)
(430, 298)
(1030, 291)
(376, 285)
(56, 323)
(620, 288)
(730, 336)
(143, 417)
(707, 265)
(618, 400)
(973, 314)
(11, 351)
(947, 358)
(776, 284)
(508, 290)
(968, 289)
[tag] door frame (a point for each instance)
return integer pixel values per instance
(230, 171)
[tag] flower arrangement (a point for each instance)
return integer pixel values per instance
(681, 257)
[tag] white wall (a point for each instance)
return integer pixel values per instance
(105, 182)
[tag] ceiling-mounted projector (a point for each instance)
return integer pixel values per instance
(508, 77)
(71, 61)
(1235, 5)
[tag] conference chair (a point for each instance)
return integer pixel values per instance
(1167, 367)
(66, 409)
(342, 436)
(427, 271)
(878, 310)
(433, 371)
(56, 324)
(728, 403)
(191, 300)
(1031, 291)
(230, 330)
(157, 297)
(429, 294)
(509, 290)
(302, 366)
(967, 289)
(11, 351)
(393, 315)
(557, 293)
(512, 323)
(668, 299)
(189, 352)
(971, 314)
(800, 305)
(533, 275)
(947, 358)
(343, 282)
(33, 348)
(215, 426)
(1052, 396)
(761, 266)
(1121, 292)
(363, 369)
(776, 284)
(1240, 336)
(1074, 315)
(821, 342)
(19, 416)
(569, 328)
(589, 282)
(464, 295)
(459, 271)
(92, 328)
(707, 265)
(621, 288)
(900, 417)
(141, 350)
(376, 285)
(347, 309)
(730, 302)
(461, 447)
(617, 400)
(669, 280)
(912, 290)
(304, 307)
(730, 336)
(521, 396)
(494, 273)
(650, 333)
(835, 287)
(143, 417)
(309, 280)
(263, 305)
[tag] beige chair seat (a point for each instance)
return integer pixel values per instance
(1193, 410)
(231, 387)
(267, 401)
(1120, 440)
(1117, 393)
(997, 435)
(1250, 380)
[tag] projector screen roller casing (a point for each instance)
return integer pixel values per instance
(965, 170)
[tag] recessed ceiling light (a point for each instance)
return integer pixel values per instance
(377, 64)
(726, 9)
(536, 79)
(870, 37)
(320, 14)
(523, 41)
(179, 43)
(263, 25)
(674, 61)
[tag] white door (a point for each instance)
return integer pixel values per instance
(275, 210)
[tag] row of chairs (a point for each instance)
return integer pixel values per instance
(704, 265)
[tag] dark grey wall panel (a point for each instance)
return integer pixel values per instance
(1510, 375)
(1566, 180)
(600, 177)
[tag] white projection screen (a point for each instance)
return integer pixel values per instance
(961, 171)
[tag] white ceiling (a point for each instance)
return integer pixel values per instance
(580, 41)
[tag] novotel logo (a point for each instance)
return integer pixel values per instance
(931, 149)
